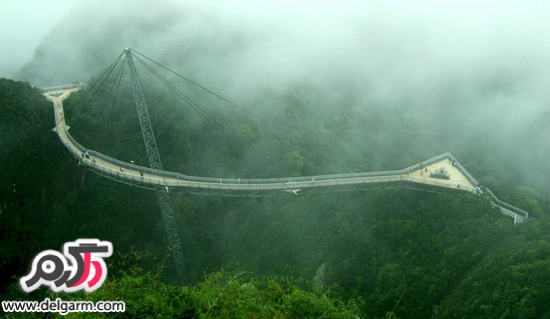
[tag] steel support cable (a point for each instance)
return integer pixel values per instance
(184, 97)
(112, 86)
(95, 86)
(108, 109)
(205, 114)
(242, 109)
(103, 77)
(103, 82)
(118, 80)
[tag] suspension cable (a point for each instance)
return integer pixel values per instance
(242, 109)
(99, 82)
(115, 86)
(205, 114)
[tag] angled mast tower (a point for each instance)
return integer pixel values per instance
(155, 163)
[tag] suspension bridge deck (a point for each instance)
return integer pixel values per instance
(441, 171)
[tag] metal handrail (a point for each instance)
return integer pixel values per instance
(464, 171)
(284, 180)
(499, 202)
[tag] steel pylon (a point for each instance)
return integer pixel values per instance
(155, 163)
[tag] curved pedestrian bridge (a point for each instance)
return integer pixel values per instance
(442, 171)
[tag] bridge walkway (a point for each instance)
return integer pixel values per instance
(446, 169)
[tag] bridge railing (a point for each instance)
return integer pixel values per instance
(63, 87)
(168, 174)
(427, 162)
(144, 179)
(285, 180)
(179, 176)
(506, 205)
(118, 175)
(464, 171)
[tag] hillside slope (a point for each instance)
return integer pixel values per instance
(402, 250)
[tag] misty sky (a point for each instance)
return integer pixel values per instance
(488, 58)
(23, 24)
(296, 25)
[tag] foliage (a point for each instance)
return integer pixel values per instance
(219, 295)
(377, 253)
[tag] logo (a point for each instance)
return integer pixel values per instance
(86, 269)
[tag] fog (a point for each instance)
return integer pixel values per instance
(23, 25)
(402, 44)
(463, 66)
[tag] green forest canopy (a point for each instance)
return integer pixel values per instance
(400, 251)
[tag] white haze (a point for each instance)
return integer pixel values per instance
(488, 61)
(23, 25)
